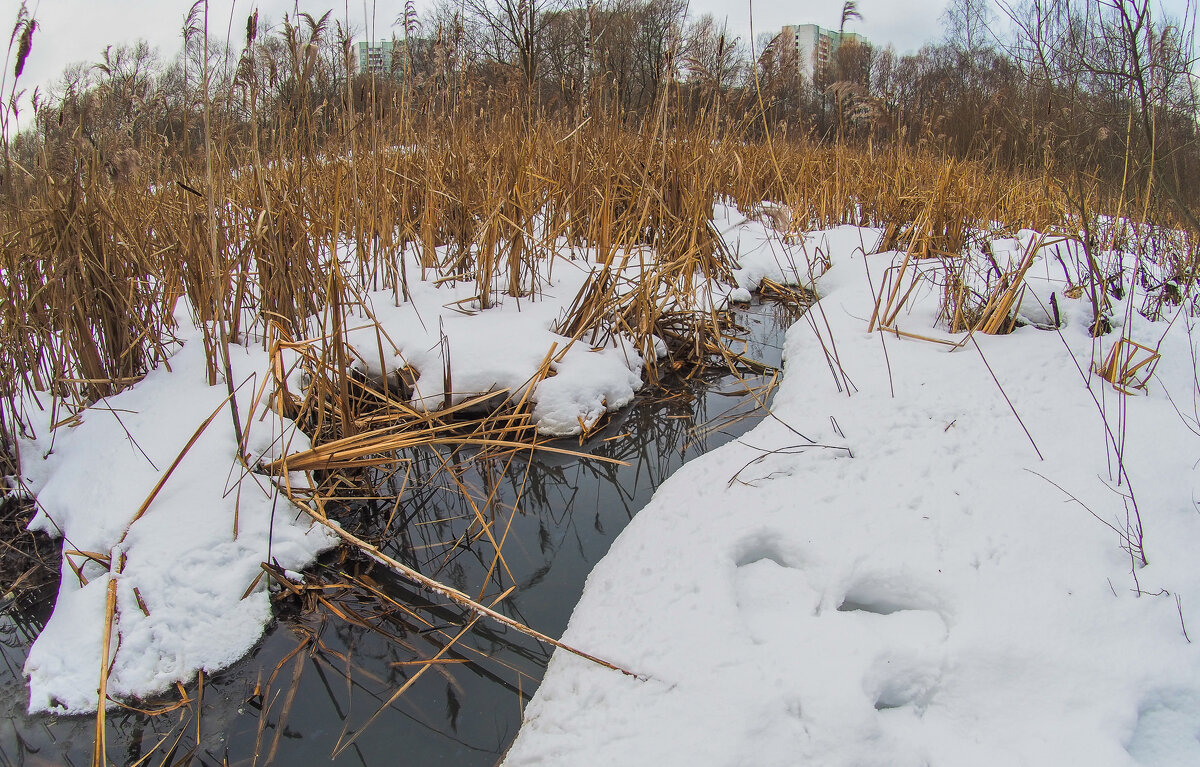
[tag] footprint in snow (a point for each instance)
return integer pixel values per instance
(907, 673)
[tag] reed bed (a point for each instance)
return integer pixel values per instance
(103, 259)
(99, 263)
(273, 234)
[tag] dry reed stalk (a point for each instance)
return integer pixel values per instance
(1129, 365)
(918, 337)
(99, 752)
(374, 448)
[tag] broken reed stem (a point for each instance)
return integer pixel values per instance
(1126, 360)
(997, 313)
(175, 464)
(99, 751)
(450, 593)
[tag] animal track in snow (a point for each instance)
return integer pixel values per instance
(899, 679)
(1166, 729)
(884, 594)
(770, 586)
(911, 630)
(763, 545)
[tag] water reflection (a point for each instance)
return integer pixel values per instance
(325, 678)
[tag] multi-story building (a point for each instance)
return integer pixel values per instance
(376, 58)
(817, 47)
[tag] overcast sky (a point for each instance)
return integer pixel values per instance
(78, 30)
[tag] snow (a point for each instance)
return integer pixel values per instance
(586, 385)
(886, 573)
(190, 561)
(500, 348)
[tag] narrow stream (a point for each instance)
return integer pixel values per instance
(323, 671)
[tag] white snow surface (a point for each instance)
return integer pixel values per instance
(182, 558)
(889, 574)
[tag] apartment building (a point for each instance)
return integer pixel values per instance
(376, 58)
(817, 47)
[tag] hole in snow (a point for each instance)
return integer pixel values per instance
(878, 607)
(884, 595)
(1166, 732)
(897, 697)
(902, 680)
(761, 546)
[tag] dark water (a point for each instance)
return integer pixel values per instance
(334, 661)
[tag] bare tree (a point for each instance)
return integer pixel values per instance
(568, 55)
(659, 31)
(967, 25)
(515, 32)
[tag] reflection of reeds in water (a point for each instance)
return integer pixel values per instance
(29, 565)
(417, 635)
(485, 521)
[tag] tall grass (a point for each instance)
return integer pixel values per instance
(272, 238)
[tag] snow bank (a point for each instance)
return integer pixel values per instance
(186, 596)
(500, 348)
(889, 574)
(586, 384)
(764, 252)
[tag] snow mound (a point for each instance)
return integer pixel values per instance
(587, 383)
(189, 595)
(500, 348)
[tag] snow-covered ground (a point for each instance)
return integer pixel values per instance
(500, 348)
(889, 572)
